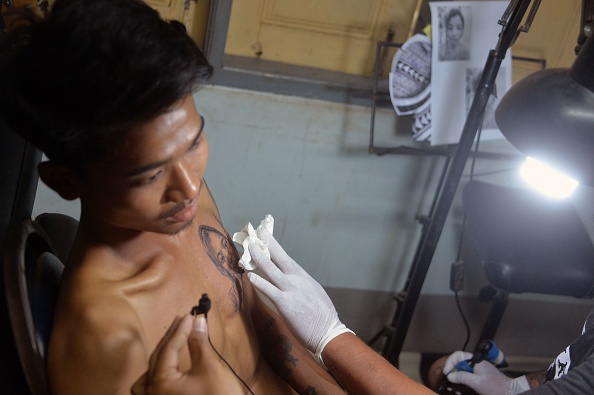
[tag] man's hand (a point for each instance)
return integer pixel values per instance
(486, 379)
(208, 374)
(300, 300)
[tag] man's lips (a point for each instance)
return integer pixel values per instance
(182, 213)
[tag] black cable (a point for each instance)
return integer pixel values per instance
(463, 320)
(202, 308)
(229, 365)
(459, 253)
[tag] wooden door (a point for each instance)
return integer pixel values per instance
(337, 35)
(341, 35)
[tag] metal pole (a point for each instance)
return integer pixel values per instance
(405, 312)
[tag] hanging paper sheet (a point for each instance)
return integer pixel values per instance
(463, 33)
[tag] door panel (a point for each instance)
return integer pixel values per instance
(337, 35)
(341, 35)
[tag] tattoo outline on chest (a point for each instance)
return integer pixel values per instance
(222, 252)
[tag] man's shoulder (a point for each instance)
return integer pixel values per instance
(104, 274)
(103, 316)
(89, 333)
(98, 339)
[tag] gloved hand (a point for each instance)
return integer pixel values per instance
(300, 300)
(486, 379)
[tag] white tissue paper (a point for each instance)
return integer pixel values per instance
(248, 235)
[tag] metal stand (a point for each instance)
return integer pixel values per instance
(511, 22)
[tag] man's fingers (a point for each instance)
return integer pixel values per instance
(198, 343)
(170, 331)
(165, 359)
(139, 387)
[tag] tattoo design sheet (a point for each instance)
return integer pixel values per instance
(463, 33)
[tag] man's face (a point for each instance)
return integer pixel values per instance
(151, 177)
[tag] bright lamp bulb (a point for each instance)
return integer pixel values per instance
(547, 180)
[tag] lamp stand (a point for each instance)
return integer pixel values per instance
(510, 21)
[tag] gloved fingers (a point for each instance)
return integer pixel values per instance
(453, 360)
(271, 292)
(486, 368)
(272, 272)
(277, 253)
(461, 377)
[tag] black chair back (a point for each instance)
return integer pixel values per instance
(32, 271)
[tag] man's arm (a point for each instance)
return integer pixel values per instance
(579, 380)
(286, 355)
(309, 311)
(363, 371)
(536, 379)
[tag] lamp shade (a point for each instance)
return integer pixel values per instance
(549, 115)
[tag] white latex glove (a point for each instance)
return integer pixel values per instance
(486, 379)
(249, 235)
(300, 300)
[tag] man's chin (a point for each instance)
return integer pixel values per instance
(182, 227)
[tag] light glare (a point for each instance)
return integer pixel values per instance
(547, 180)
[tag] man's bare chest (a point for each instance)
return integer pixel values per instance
(203, 261)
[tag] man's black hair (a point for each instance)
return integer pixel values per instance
(92, 68)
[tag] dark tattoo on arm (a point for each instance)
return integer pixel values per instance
(222, 252)
(536, 379)
(277, 348)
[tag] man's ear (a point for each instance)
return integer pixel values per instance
(61, 179)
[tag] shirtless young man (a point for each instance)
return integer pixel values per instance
(104, 88)
(309, 312)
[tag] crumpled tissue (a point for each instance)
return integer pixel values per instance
(249, 235)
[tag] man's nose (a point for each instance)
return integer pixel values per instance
(183, 185)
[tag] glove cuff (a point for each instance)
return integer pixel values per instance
(521, 384)
(331, 334)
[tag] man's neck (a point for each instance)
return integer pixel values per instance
(126, 244)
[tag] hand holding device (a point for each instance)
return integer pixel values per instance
(487, 379)
(486, 350)
(300, 300)
(202, 307)
(208, 374)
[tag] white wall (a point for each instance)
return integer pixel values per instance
(347, 216)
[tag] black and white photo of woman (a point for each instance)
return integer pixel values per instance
(453, 42)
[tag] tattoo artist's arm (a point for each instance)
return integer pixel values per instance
(536, 379)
